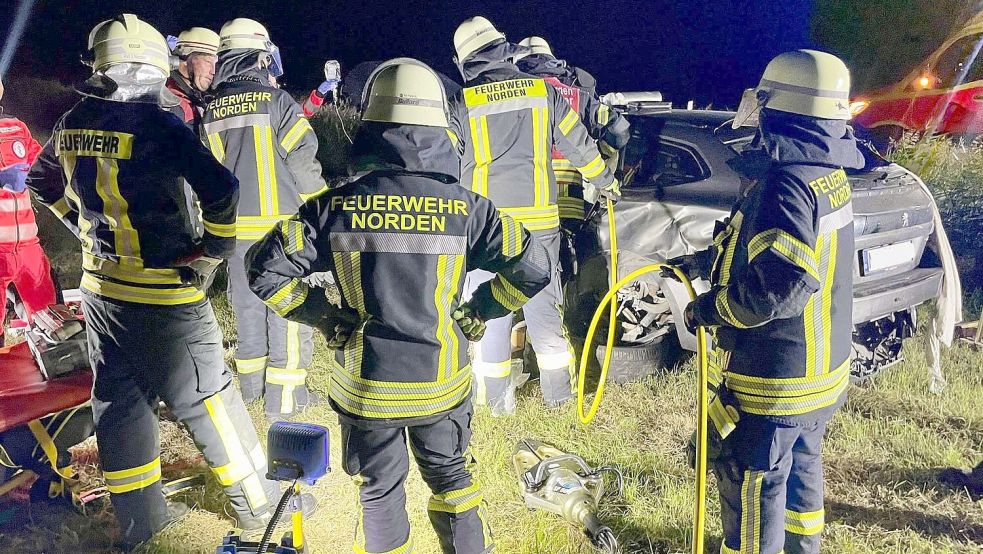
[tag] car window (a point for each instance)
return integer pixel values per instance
(960, 63)
(651, 160)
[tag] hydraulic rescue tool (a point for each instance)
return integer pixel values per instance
(296, 452)
(702, 393)
(562, 483)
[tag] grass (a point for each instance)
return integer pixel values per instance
(884, 450)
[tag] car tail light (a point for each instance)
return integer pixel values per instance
(858, 107)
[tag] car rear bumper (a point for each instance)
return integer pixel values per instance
(884, 297)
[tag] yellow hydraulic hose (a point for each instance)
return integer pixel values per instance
(702, 394)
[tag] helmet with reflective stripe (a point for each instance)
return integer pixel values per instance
(197, 40)
(807, 82)
(406, 91)
(473, 35)
(244, 33)
(536, 46)
(127, 39)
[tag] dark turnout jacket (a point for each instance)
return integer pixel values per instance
(114, 172)
(782, 282)
(400, 240)
(260, 133)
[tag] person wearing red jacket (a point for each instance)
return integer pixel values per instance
(22, 261)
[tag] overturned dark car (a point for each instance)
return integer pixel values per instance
(677, 183)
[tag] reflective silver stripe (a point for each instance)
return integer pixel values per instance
(841, 95)
(506, 106)
(398, 243)
(837, 220)
(400, 100)
(237, 122)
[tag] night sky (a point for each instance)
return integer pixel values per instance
(701, 49)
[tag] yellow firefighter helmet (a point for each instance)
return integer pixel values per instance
(197, 40)
(244, 33)
(127, 39)
(474, 34)
(405, 91)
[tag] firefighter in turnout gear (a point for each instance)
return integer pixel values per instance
(113, 172)
(506, 123)
(604, 124)
(197, 52)
(260, 134)
(780, 305)
(400, 239)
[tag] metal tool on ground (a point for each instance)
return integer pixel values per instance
(702, 394)
(296, 453)
(563, 484)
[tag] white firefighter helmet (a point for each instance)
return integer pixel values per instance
(536, 46)
(474, 34)
(127, 39)
(803, 82)
(406, 91)
(197, 40)
(244, 33)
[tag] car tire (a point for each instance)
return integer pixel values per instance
(634, 363)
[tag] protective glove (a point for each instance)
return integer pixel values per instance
(689, 318)
(612, 191)
(327, 86)
(469, 322)
(339, 326)
(694, 266)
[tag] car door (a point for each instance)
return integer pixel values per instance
(948, 94)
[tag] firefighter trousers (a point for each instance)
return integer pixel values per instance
(492, 366)
(770, 478)
(26, 268)
(145, 353)
(273, 354)
(377, 460)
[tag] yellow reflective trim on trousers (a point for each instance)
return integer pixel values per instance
(506, 294)
(593, 168)
(798, 252)
(567, 123)
(47, 444)
(449, 268)
(381, 392)
(258, 457)
(239, 463)
(295, 133)
(231, 473)
(250, 365)
(493, 369)
(126, 480)
(457, 501)
(141, 295)
(225, 230)
(805, 523)
(143, 275)
(126, 243)
(751, 512)
(216, 146)
(286, 377)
